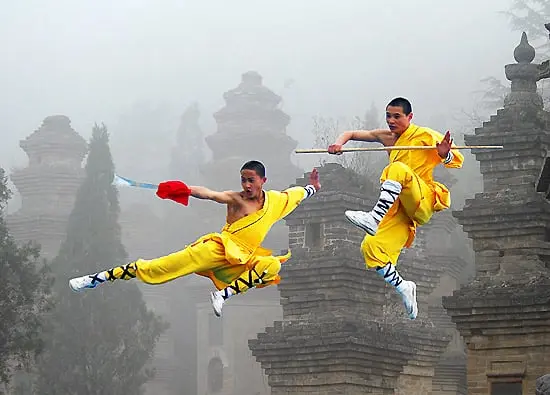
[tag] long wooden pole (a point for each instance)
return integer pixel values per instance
(395, 147)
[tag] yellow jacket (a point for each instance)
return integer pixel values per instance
(423, 162)
(242, 239)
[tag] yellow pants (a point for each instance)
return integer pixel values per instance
(415, 205)
(205, 257)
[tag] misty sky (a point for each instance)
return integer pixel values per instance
(92, 60)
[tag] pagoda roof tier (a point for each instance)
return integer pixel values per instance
(55, 136)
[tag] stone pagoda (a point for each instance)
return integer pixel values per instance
(179, 229)
(188, 155)
(49, 183)
(503, 314)
(250, 126)
(423, 264)
(175, 354)
(449, 249)
(340, 332)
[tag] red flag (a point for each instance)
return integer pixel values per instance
(174, 190)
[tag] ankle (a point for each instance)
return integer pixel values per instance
(226, 293)
(390, 275)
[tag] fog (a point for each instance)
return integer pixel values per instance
(94, 60)
(136, 65)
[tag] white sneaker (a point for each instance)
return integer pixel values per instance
(79, 284)
(408, 293)
(363, 220)
(217, 303)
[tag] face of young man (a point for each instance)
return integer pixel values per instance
(396, 119)
(252, 183)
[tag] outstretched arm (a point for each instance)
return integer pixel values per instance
(383, 136)
(225, 197)
(308, 190)
(293, 196)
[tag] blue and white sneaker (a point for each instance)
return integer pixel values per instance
(408, 292)
(217, 301)
(363, 220)
(79, 284)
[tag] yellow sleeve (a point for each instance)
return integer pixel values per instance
(289, 199)
(457, 161)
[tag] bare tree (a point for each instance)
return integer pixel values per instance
(529, 16)
(326, 130)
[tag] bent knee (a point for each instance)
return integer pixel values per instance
(376, 254)
(369, 246)
(268, 269)
(398, 166)
(273, 267)
(396, 171)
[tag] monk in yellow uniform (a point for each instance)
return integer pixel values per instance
(409, 195)
(233, 259)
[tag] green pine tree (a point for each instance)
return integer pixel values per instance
(100, 341)
(24, 297)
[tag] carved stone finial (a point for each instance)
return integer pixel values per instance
(524, 52)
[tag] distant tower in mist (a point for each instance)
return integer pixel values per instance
(188, 154)
(49, 183)
(214, 352)
(251, 126)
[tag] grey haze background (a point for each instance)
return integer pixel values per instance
(101, 61)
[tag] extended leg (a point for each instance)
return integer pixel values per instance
(205, 254)
(382, 251)
(265, 272)
(398, 182)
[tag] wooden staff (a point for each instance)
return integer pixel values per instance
(395, 147)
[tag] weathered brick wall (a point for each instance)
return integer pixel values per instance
(329, 341)
(503, 357)
(415, 380)
(503, 313)
(343, 329)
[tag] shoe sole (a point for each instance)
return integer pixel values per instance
(415, 302)
(212, 303)
(366, 229)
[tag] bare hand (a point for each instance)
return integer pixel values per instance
(444, 147)
(314, 179)
(335, 149)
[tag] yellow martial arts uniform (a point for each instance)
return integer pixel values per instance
(420, 197)
(234, 253)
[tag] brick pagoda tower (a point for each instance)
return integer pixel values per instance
(503, 314)
(49, 183)
(249, 126)
(449, 249)
(340, 333)
(176, 352)
(422, 264)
